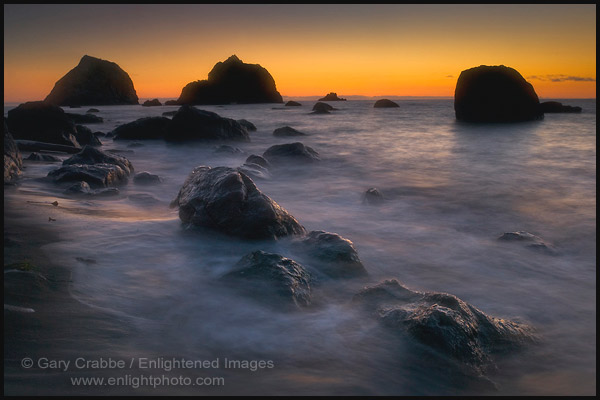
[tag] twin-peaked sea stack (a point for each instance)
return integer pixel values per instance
(232, 81)
(495, 94)
(93, 82)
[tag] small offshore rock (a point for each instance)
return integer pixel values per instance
(287, 131)
(146, 178)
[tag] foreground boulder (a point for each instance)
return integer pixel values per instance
(227, 200)
(190, 123)
(93, 82)
(557, 107)
(147, 128)
(331, 254)
(12, 157)
(272, 279)
(287, 131)
(85, 136)
(444, 323)
(91, 155)
(385, 103)
(495, 94)
(332, 96)
(247, 124)
(151, 103)
(42, 122)
(291, 152)
(232, 81)
(82, 188)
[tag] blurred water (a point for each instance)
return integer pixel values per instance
(451, 189)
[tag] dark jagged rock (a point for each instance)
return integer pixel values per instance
(146, 178)
(190, 123)
(85, 136)
(91, 155)
(142, 129)
(495, 94)
(292, 103)
(557, 107)
(42, 122)
(291, 152)
(144, 199)
(272, 279)
(93, 82)
(385, 103)
(287, 131)
(332, 97)
(171, 103)
(12, 157)
(373, 196)
(225, 148)
(42, 157)
(332, 254)
(227, 200)
(322, 108)
(232, 81)
(92, 110)
(531, 241)
(151, 103)
(84, 118)
(96, 175)
(247, 124)
(444, 323)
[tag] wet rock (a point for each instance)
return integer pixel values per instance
(291, 152)
(232, 81)
(151, 103)
(189, 123)
(332, 97)
(331, 254)
(41, 122)
(292, 103)
(146, 178)
(530, 240)
(227, 200)
(144, 199)
(287, 131)
(495, 94)
(42, 157)
(373, 196)
(93, 82)
(385, 103)
(254, 159)
(143, 128)
(247, 124)
(273, 279)
(256, 167)
(12, 157)
(91, 155)
(444, 323)
(224, 148)
(84, 118)
(96, 175)
(85, 136)
(322, 108)
(80, 187)
(557, 107)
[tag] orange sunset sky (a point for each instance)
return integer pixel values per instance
(309, 49)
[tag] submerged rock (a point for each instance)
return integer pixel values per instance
(90, 156)
(292, 103)
(141, 129)
(272, 279)
(224, 148)
(93, 82)
(557, 107)
(42, 157)
(331, 254)
(287, 131)
(12, 157)
(495, 94)
(151, 103)
(531, 241)
(84, 118)
(332, 97)
(146, 178)
(291, 152)
(96, 175)
(385, 103)
(85, 136)
(190, 123)
(82, 188)
(92, 110)
(227, 200)
(254, 159)
(232, 81)
(247, 124)
(373, 196)
(42, 122)
(322, 108)
(444, 323)
(256, 167)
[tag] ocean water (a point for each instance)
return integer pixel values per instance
(450, 188)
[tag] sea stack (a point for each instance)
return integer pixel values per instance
(93, 82)
(495, 94)
(232, 81)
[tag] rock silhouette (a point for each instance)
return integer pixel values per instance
(232, 81)
(190, 123)
(332, 97)
(143, 128)
(495, 94)
(385, 103)
(292, 103)
(151, 103)
(93, 82)
(557, 107)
